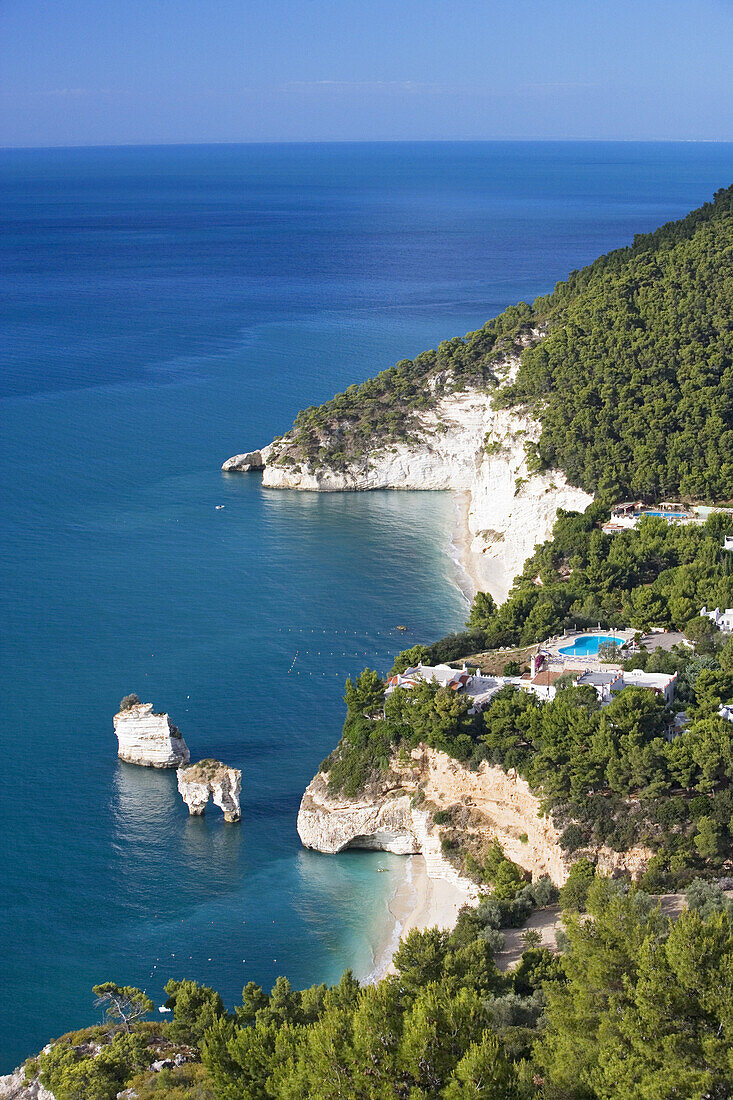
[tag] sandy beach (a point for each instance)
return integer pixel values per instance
(418, 902)
(477, 572)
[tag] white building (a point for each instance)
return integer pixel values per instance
(480, 688)
(722, 619)
(725, 710)
(608, 683)
(444, 675)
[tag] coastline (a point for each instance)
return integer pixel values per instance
(476, 572)
(419, 902)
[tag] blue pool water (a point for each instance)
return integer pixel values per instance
(587, 645)
(164, 308)
(667, 515)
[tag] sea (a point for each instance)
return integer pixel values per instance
(164, 308)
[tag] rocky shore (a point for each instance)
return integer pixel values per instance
(483, 805)
(463, 445)
(486, 804)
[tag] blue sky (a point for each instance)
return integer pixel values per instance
(76, 72)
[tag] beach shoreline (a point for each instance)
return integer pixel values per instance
(476, 572)
(418, 902)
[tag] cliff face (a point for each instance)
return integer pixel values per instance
(211, 779)
(462, 445)
(150, 739)
(486, 804)
(13, 1087)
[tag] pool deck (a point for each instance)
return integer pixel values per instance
(572, 661)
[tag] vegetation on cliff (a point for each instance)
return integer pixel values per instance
(634, 1006)
(387, 407)
(633, 383)
(657, 575)
(610, 776)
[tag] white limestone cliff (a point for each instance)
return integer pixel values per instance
(250, 460)
(207, 779)
(13, 1086)
(467, 446)
(150, 739)
(485, 804)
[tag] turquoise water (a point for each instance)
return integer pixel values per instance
(587, 645)
(164, 309)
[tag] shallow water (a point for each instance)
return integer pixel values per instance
(164, 309)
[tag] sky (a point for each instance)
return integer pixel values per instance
(109, 72)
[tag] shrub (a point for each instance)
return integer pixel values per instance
(574, 894)
(129, 701)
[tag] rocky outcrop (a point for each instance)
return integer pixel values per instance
(467, 446)
(13, 1086)
(207, 779)
(250, 460)
(150, 739)
(485, 804)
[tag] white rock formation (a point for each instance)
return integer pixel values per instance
(488, 804)
(211, 779)
(250, 460)
(13, 1087)
(466, 446)
(150, 739)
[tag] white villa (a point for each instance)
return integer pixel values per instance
(626, 516)
(540, 681)
(479, 687)
(725, 710)
(608, 683)
(722, 619)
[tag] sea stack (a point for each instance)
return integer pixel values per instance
(211, 779)
(147, 738)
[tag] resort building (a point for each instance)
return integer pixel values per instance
(725, 710)
(443, 675)
(480, 688)
(609, 683)
(722, 619)
(541, 680)
(627, 515)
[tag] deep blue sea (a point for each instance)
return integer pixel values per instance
(162, 309)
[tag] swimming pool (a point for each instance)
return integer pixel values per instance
(587, 645)
(668, 515)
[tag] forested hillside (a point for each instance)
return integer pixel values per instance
(635, 1006)
(609, 775)
(633, 385)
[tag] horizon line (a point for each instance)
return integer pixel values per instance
(374, 141)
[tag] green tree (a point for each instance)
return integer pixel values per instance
(703, 633)
(195, 1008)
(420, 958)
(574, 894)
(483, 1073)
(674, 1036)
(124, 1004)
(438, 1031)
(482, 613)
